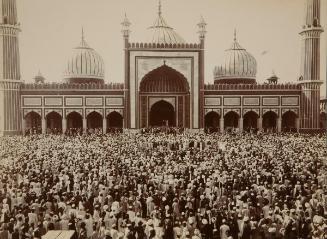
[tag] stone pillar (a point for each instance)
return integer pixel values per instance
(221, 125)
(297, 124)
(104, 125)
(240, 124)
(44, 125)
(259, 123)
(84, 124)
(279, 124)
(64, 125)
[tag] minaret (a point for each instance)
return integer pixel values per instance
(202, 33)
(310, 67)
(126, 32)
(10, 116)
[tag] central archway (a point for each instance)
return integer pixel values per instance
(164, 82)
(162, 113)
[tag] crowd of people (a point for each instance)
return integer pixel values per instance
(164, 185)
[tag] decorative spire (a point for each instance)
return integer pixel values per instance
(125, 26)
(159, 8)
(83, 43)
(202, 27)
(83, 34)
(234, 34)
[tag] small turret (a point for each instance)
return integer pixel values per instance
(39, 78)
(273, 79)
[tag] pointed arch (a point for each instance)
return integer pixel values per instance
(289, 121)
(74, 120)
(33, 122)
(231, 119)
(162, 113)
(54, 121)
(94, 120)
(164, 79)
(250, 120)
(114, 120)
(269, 120)
(211, 120)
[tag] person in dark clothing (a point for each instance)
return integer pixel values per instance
(246, 229)
(82, 232)
(15, 234)
(207, 230)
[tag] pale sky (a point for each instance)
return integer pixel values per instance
(51, 28)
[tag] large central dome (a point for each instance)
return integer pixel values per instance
(85, 65)
(238, 67)
(161, 32)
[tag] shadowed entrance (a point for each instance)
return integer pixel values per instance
(269, 120)
(250, 120)
(211, 120)
(162, 114)
(164, 82)
(74, 121)
(289, 121)
(94, 120)
(114, 120)
(231, 120)
(54, 121)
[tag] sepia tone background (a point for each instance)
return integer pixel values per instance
(268, 29)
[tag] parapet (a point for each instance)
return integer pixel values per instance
(287, 86)
(72, 86)
(164, 45)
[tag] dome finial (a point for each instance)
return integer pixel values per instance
(234, 34)
(159, 8)
(82, 33)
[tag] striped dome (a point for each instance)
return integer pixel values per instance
(85, 65)
(239, 66)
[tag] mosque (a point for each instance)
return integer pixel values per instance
(163, 85)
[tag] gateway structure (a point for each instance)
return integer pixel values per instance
(163, 85)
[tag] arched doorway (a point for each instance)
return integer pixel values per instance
(231, 120)
(94, 120)
(323, 120)
(114, 120)
(250, 120)
(269, 121)
(211, 121)
(162, 113)
(54, 122)
(33, 122)
(289, 121)
(164, 82)
(74, 121)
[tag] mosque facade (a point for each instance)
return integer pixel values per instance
(163, 86)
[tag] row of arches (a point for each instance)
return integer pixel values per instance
(74, 120)
(250, 120)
